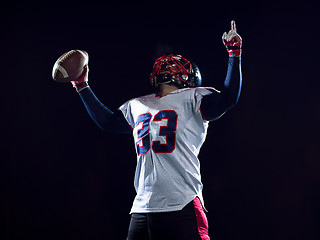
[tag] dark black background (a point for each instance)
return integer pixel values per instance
(63, 178)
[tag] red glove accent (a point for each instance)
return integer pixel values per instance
(82, 82)
(232, 41)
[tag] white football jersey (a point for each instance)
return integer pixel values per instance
(168, 133)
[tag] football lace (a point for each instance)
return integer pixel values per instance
(68, 54)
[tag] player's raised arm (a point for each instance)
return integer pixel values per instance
(100, 114)
(215, 105)
(73, 67)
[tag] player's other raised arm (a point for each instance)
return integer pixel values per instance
(215, 105)
(106, 119)
(72, 66)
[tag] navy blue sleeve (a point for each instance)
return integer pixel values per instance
(102, 116)
(216, 104)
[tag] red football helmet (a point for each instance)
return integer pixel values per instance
(176, 70)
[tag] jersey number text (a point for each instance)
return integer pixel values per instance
(169, 131)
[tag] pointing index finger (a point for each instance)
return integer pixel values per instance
(233, 26)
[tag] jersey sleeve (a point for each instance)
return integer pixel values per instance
(199, 94)
(126, 111)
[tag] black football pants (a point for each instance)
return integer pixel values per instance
(188, 224)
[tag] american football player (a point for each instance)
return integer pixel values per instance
(169, 127)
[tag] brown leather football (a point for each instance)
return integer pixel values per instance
(70, 66)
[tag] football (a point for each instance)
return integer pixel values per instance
(70, 66)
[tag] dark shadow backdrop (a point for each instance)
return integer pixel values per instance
(63, 178)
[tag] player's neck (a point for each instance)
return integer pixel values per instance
(165, 89)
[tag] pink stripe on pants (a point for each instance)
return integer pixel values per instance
(202, 221)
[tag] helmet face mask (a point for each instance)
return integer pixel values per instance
(176, 70)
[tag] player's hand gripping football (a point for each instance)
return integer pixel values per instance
(82, 81)
(232, 41)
